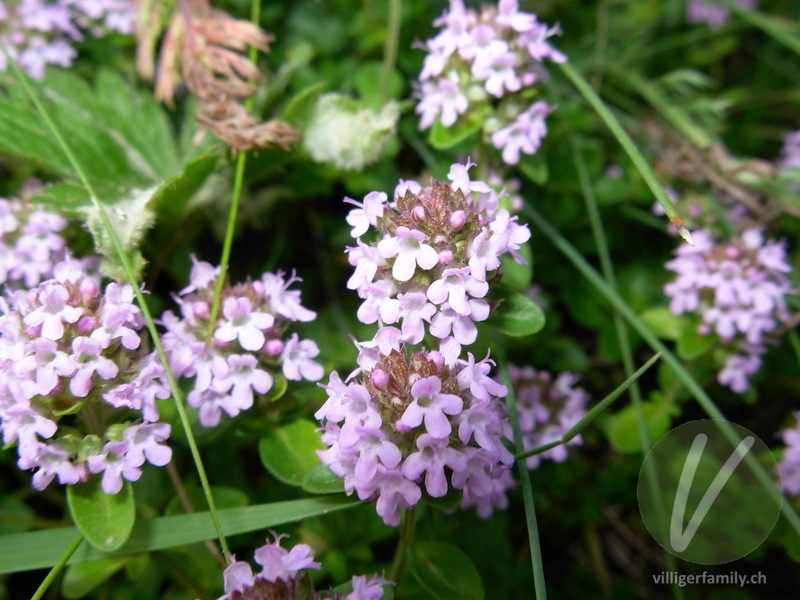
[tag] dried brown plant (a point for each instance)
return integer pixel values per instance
(203, 48)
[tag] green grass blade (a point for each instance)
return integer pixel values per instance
(42, 549)
(627, 144)
(524, 478)
(772, 27)
(699, 394)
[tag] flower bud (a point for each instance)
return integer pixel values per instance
(87, 289)
(273, 347)
(436, 358)
(457, 219)
(445, 257)
(200, 309)
(84, 325)
(418, 214)
(732, 252)
(380, 379)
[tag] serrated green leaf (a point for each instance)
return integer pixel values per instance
(517, 315)
(105, 520)
(442, 137)
(289, 451)
(41, 549)
(663, 322)
(321, 480)
(81, 579)
(172, 195)
(444, 571)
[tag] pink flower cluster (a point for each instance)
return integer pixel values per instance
(283, 576)
(489, 60)
(72, 371)
(438, 251)
(37, 33)
(408, 415)
(712, 13)
(790, 153)
(789, 466)
(30, 244)
(393, 432)
(547, 408)
(737, 287)
(248, 345)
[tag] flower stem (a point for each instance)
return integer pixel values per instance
(407, 528)
(236, 194)
(51, 576)
(390, 49)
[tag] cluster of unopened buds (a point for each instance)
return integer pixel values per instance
(37, 33)
(738, 288)
(284, 576)
(247, 346)
(486, 65)
(410, 414)
(547, 409)
(77, 392)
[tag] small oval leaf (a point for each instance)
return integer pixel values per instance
(81, 579)
(105, 520)
(289, 451)
(321, 480)
(445, 572)
(517, 315)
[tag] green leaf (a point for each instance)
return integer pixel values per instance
(535, 168)
(517, 315)
(66, 197)
(692, 344)
(173, 194)
(663, 322)
(622, 429)
(105, 520)
(15, 515)
(300, 108)
(321, 480)
(289, 451)
(516, 276)
(41, 549)
(444, 571)
(81, 579)
(443, 137)
(224, 497)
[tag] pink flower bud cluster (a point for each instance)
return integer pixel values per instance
(37, 33)
(738, 288)
(249, 342)
(547, 408)
(413, 424)
(284, 576)
(789, 466)
(72, 373)
(438, 251)
(487, 64)
(30, 244)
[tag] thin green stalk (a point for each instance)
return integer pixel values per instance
(607, 267)
(772, 27)
(694, 388)
(627, 144)
(126, 266)
(679, 119)
(238, 181)
(407, 529)
(540, 590)
(390, 49)
(51, 576)
(794, 340)
(595, 411)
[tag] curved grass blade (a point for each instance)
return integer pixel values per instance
(627, 144)
(699, 394)
(42, 549)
